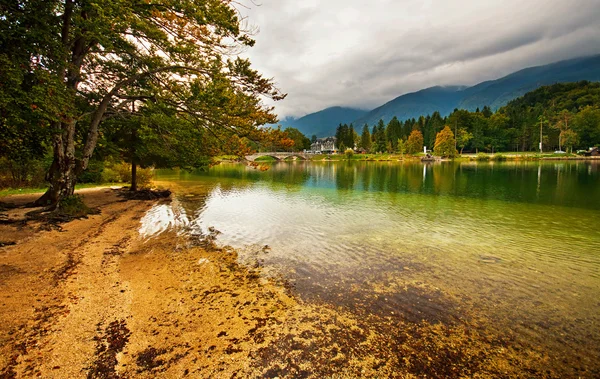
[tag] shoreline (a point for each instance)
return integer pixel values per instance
(90, 298)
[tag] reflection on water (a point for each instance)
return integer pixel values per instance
(514, 246)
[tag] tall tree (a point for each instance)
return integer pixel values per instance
(380, 139)
(444, 143)
(393, 132)
(365, 138)
(104, 55)
(414, 144)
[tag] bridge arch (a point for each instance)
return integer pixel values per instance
(279, 156)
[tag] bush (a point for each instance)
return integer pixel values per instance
(121, 173)
(499, 157)
(144, 177)
(482, 157)
(73, 206)
(109, 175)
(25, 173)
(349, 153)
(124, 171)
(93, 174)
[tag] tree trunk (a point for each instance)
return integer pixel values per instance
(61, 175)
(133, 176)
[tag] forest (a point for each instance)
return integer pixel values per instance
(567, 115)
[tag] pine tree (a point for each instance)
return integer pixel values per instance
(365, 139)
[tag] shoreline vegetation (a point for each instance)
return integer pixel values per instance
(124, 181)
(528, 156)
(91, 298)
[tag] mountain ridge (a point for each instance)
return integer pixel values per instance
(444, 99)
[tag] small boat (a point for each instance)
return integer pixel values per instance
(428, 158)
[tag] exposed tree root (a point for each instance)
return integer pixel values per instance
(145, 194)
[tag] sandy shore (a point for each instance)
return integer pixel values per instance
(90, 298)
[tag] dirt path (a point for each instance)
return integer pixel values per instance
(91, 299)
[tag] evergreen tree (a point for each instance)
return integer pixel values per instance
(365, 139)
(393, 132)
(380, 139)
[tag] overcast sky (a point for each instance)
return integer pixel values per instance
(363, 53)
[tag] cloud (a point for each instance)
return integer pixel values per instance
(364, 53)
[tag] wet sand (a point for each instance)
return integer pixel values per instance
(90, 298)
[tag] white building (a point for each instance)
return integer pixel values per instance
(324, 145)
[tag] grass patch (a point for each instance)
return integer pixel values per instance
(40, 190)
(265, 159)
(73, 206)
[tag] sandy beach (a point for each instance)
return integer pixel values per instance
(91, 298)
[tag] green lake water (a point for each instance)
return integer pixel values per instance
(512, 246)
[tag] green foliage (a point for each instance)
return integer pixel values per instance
(73, 206)
(414, 144)
(93, 174)
(498, 157)
(444, 143)
(345, 136)
(569, 138)
(379, 136)
(463, 138)
(482, 157)
(159, 68)
(365, 139)
(22, 173)
(301, 142)
(393, 132)
(349, 153)
(401, 149)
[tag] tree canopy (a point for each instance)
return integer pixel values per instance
(70, 65)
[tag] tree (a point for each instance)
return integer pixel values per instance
(380, 139)
(401, 147)
(313, 139)
(300, 140)
(414, 144)
(568, 139)
(444, 143)
(463, 138)
(345, 135)
(365, 138)
(101, 56)
(586, 124)
(393, 132)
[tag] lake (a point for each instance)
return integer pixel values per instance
(509, 247)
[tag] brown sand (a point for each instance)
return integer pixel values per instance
(90, 299)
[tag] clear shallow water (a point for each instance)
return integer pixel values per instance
(514, 247)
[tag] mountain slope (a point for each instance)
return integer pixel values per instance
(499, 92)
(325, 122)
(422, 102)
(494, 93)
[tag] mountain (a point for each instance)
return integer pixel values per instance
(497, 93)
(494, 93)
(423, 102)
(323, 123)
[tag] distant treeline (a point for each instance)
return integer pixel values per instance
(567, 115)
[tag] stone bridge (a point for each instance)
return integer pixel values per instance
(277, 155)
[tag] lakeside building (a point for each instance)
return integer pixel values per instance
(325, 145)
